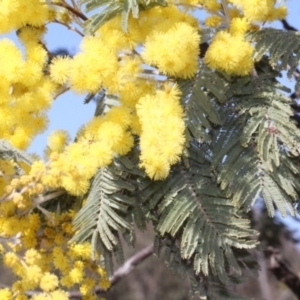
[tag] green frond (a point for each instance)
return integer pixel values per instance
(191, 207)
(201, 98)
(206, 287)
(104, 210)
(283, 47)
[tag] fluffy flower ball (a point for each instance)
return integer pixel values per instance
(230, 54)
(175, 52)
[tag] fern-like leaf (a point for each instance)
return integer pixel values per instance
(193, 209)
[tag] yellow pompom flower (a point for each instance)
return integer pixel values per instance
(57, 140)
(32, 256)
(30, 34)
(92, 67)
(213, 21)
(175, 52)
(238, 26)
(124, 145)
(230, 53)
(48, 282)
(60, 69)
(60, 295)
(10, 60)
(120, 115)
(277, 13)
(212, 5)
(36, 53)
(6, 294)
(32, 276)
(10, 259)
(260, 10)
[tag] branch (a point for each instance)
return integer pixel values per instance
(72, 10)
(70, 27)
(130, 264)
(282, 271)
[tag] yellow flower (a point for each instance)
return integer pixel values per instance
(10, 259)
(76, 275)
(230, 53)
(48, 282)
(174, 52)
(6, 294)
(32, 276)
(162, 137)
(57, 140)
(60, 69)
(213, 21)
(238, 26)
(59, 295)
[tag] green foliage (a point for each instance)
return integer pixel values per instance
(109, 211)
(190, 202)
(241, 145)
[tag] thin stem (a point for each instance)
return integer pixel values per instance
(226, 11)
(153, 72)
(61, 92)
(41, 199)
(72, 10)
(70, 27)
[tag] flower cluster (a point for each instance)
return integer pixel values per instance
(175, 52)
(26, 94)
(162, 136)
(49, 263)
(229, 51)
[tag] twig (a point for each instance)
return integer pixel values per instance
(42, 199)
(70, 27)
(130, 264)
(226, 11)
(61, 92)
(72, 10)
